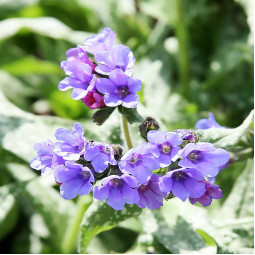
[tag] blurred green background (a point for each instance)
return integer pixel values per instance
(193, 57)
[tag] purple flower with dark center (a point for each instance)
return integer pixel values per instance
(204, 157)
(183, 183)
(118, 57)
(118, 190)
(100, 42)
(100, 155)
(212, 192)
(47, 160)
(74, 179)
(208, 123)
(150, 194)
(70, 144)
(80, 71)
(139, 162)
(186, 135)
(164, 145)
(119, 89)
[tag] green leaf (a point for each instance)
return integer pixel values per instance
(179, 238)
(100, 217)
(8, 209)
(100, 116)
(131, 114)
(226, 137)
(46, 26)
(30, 64)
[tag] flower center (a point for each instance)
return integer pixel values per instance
(115, 183)
(85, 175)
(194, 156)
(179, 176)
(122, 91)
(135, 159)
(165, 148)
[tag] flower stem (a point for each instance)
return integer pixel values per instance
(182, 35)
(70, 238)
(126, 133)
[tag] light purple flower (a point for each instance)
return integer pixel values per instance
(212, 192)
(183, 183)
(79, 68)
(119, 89)
(77, 55)
(100, 42)
(74, 179)
(164, 145)
(70, 144)
(118, 57)
(47, 160)
(100, 155)
(204, 157)
(208, 123)
(150, 194)
(118, 190)
(139, 162)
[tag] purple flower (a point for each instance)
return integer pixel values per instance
(212, 192)
(208, 123)
(186, 135)
(101, 155)
(119, 89)
(204, 157)
(75, 179)
(183, 183)
(70, 144)
(150, 194)
(118, 57)
(139, 162)
(77, 55)
(100, 42)
(47, 160)
(79, 68)
(164, 145)
(118, 190)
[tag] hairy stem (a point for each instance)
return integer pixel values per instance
(126, 133)
(182, 36)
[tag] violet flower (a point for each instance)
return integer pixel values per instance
(183, 183)
(212, 192)
(70, 144)
(150, 194)
(164, 145)
(119, 89)
(118, 190)
(102, 41)
(139, 162)
(74, 179)
(100, 155)
(46, 160)
(204, 157)
(118, 57)
(208, 123)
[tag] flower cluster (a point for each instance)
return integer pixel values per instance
(166, 165)
(144, 175)
(100, 73)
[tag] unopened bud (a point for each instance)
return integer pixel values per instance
(149, 124)
(117, 151)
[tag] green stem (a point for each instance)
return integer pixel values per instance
(126, 133)
(70, 239)
(182, 35)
